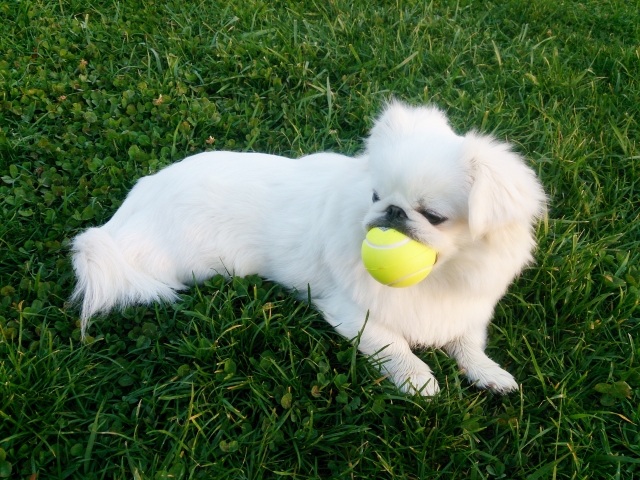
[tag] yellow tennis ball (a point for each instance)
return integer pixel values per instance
(394, 259)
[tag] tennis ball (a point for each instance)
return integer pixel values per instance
(394, 259)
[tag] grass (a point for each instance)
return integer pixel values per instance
(241, 381)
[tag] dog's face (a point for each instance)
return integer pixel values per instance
(422, 193)
(441, 189)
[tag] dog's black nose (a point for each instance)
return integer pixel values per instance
(395, 213)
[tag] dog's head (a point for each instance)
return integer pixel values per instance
(444, 190)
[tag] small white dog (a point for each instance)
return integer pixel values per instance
(302, 222)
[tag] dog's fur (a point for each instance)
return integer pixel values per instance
(301, 223)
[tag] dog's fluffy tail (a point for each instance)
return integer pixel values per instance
(107, 280)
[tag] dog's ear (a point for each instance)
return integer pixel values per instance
(503, 190)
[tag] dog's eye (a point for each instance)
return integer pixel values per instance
(375, 197)
(432, 217)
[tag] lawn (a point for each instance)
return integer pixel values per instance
(240, 380)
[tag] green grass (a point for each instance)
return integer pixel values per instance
(241, 381)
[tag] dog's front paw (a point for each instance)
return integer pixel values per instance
(494, 378)
(422, 383)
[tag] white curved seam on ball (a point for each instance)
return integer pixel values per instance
(410, 275)
(387, 247)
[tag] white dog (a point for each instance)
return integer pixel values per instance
(302, 222)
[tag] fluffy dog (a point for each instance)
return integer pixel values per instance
(302, 222)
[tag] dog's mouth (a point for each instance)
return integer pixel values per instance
(397, 225)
